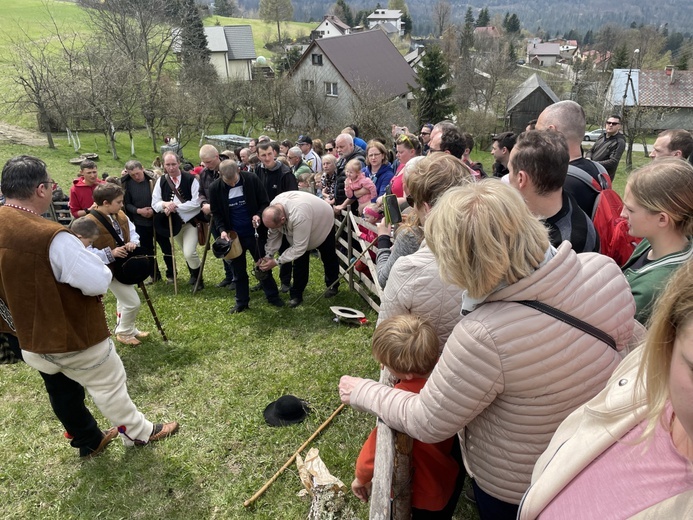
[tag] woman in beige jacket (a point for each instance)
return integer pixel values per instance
(509, 374)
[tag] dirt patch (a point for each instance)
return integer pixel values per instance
(18, 135)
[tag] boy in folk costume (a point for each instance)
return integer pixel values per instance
(109, 203)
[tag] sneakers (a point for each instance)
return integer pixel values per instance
(295, 302)
(161, 431)
(108, 436)
(330, 292)
(128, 340)
(284, 288)
(238, 308)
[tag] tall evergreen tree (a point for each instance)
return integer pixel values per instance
(484, 18)
(589, 38)
(407, 24)
(505, 20)
(469, 16)
(344, 13)
(621, 58)
(433, 94)
(513, 25)
(193, 40)
(225, 7)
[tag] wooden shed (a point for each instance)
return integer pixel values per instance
(531, 97)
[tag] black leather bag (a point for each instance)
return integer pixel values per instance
(133, 269)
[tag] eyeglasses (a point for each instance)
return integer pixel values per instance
(375, 154)
(44, 183)
(613, 123)
(411, 201)
(425, 133)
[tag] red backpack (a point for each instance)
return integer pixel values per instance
(614, 239)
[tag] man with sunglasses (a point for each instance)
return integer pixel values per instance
(607, 150)
(425, 136)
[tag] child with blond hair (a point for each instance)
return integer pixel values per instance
(408, 346)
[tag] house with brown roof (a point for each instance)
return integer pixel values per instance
(667, 94)
(338, 70)
(330, 26)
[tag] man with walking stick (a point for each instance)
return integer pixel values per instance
(50, 298)
(138, 185)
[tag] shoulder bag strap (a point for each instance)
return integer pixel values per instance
(571, 320)
(173, 187)
(109, 227)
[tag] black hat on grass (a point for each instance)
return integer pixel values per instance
(286, 410)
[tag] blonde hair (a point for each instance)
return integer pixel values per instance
(482, 234)
(434, 175)
(666, 185)
(407, 344)
(354, 164)
(673, 310)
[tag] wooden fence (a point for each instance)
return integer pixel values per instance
(391, 492)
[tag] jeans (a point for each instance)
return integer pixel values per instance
(491, 508)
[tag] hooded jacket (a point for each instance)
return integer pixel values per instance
(81, 196)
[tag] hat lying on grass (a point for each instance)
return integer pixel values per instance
(286, 410)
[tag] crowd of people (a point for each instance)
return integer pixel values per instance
(535, 347)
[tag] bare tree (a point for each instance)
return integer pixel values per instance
(281, 103)
(316, 112)
(442, 11)
(143, 33)
(374, 113)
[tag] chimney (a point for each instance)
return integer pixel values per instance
(669, 71)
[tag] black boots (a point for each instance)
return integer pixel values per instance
(194, 274)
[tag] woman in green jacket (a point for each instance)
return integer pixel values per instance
(658, 206)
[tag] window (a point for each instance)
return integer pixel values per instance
(317, 59)
(330, 89)
(308, 85)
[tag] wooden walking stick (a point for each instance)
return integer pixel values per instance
(173, 256)
(293, 457)
(204, 253)
(151, 308)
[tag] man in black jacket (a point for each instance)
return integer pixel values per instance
(276, 178)
(237, 200)
(607, 150)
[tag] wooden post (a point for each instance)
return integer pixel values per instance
(391, 471)
(350, 246)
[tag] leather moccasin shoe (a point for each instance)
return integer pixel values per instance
(295, 302)
(238, 308)
(284, 288)
(108, 436)
(329, 293)
(128, 340)
(277, 302)
(141, 334)
(161, 431)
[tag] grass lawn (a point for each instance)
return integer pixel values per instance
(215, 375)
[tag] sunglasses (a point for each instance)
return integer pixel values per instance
(404, 138)
(329, 149)
(613, 123)
(425, 133)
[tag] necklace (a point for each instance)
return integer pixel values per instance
(22, 209)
